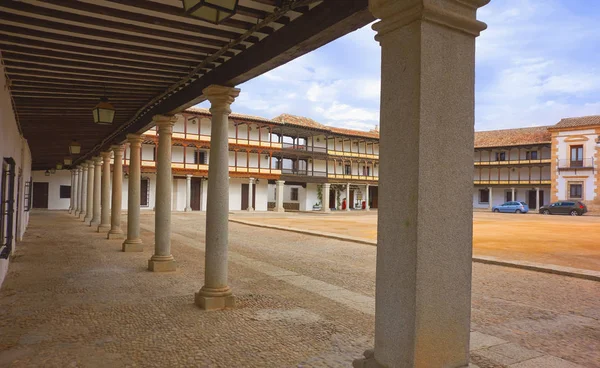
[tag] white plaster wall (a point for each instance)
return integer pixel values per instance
(499, 195)
(179, 194)
(261, 195)
(148, 152)
(179, 126)
(177, 154)
(61, 177)
(235, 193)
(310, 197)
(12, 144)
(205, 126)
(566, 176)
(271, 193)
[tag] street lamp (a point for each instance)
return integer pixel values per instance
(68, 161)
(74, 147)
(104, 112)
(52, 171)
(214, 11)
(59, 166)
(47, 173)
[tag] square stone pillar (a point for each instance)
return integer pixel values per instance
(423, 276)
(348, 197)
(367, 207)
(71, 205)
(512, 194)
(537, 199)
(162, 260)
(280, 185)
(115, 231)
(216, 293)
(105, 194)
(491, 201)
(133, 243)
(76, 191)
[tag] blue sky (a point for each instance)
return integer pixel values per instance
(537, 62)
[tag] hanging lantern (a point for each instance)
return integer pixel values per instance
(47, 173)
(52, 171)
(74, 148)
(59, 166)
(104, 112)
(214, 11)
(68, 161)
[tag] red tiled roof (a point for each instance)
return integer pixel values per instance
(299, 120)
(234, 115)
(512, 137)
(582, 121)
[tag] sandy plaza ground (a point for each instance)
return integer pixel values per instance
(302, 301)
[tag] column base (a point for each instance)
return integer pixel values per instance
(369, 361)
(70, 210)
(162, 264)
(81, 215)
(279, 209)
(87, 219)
(103, 228)
(76, 213)
(115, 234)
(133, 245)
(94, 223)
(250, 209)
(211, 299)
(187, 209)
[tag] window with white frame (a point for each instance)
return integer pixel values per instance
(575, 190)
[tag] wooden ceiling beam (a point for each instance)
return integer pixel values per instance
(178, 12)
(261, 14)
(149, 20)
(21, 65)
(75, 96)
(116, 25)
(36, 53)
(52, 26)
(98, 77)
(26, 33)
(66, 91)
(58, 46)
(12, 58)
(44, 83)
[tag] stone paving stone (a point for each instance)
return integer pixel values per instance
(480, 340)
(545, 362)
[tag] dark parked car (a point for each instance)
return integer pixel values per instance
(572, 208)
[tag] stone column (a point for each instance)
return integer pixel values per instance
(216, 294)
(133, 243)
(90, 192)
(76, 192)
(367, 207)
(512, 195)
(115, 231)
(537, 199)
(423, 276)
(491, 201)
(204, 190)
(162, 260)
(72, 189)
(325, 195)
(105, 194)
(348, 197)
(280, 185)
(250, 187)
(188, 193)
(97, 191)
(83, 190)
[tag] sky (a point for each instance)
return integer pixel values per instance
(538, 61)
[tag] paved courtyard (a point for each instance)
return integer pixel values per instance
(72, 299)
(558, 240)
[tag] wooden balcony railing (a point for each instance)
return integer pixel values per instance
(513, 182)
(514, 162)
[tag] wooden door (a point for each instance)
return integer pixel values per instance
(144, 192)
(196, 194)
(531, 199)
(332, 199)
(541, 198)
(245, 196)
(373, 192)
(40, 195)
(350, 201)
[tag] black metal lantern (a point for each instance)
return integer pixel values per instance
(52, 171)
(59, 166)
(68, 161)
(47, 173)
(74, 147)
(104, 112)
(214, 11)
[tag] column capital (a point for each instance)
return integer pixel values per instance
(188, 176)
(97, 160)
(326, 185)
(280, 182)
(135, 140)
(458, 15)
(117, 149)
(106, 155)
(251, 180)
(164, 123)
(220, 97)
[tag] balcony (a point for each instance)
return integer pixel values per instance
(583, 164)
(353, 154)
(513, 182)
(514, 162)
(206, 138)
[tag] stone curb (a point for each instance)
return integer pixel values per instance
(531, 266)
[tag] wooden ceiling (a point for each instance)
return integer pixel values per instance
(61, 56)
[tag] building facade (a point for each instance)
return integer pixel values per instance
(535, 165)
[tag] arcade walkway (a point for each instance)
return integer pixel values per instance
(73, 299)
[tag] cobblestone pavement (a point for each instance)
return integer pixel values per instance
(557, 240)
(72, 299)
